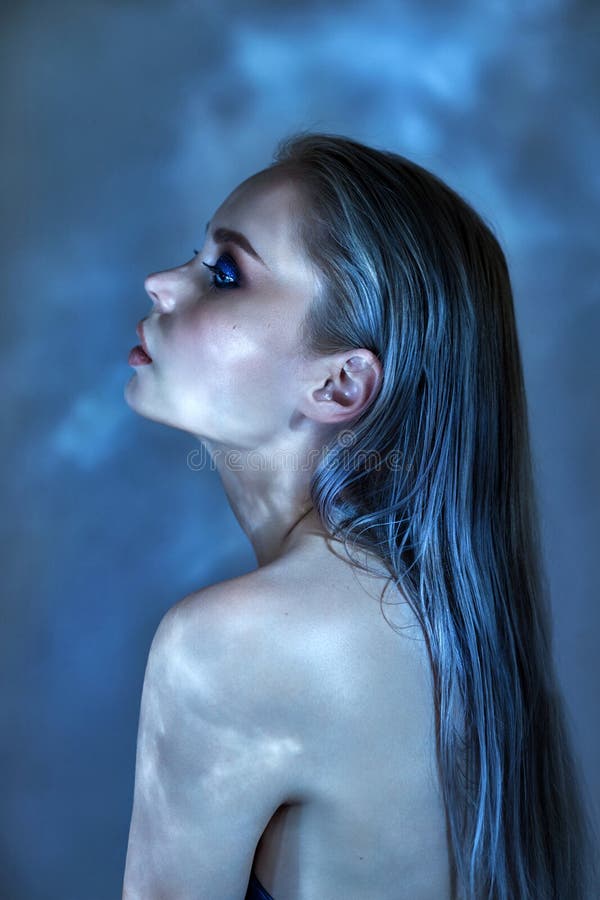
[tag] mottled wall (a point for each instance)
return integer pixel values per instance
(124, 125)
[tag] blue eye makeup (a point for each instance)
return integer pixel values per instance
(225, 273)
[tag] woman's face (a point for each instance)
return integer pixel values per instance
(225, 342)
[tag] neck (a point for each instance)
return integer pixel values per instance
(271, 501)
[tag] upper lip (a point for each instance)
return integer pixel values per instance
(140, 333)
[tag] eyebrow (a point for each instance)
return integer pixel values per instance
(227, 236)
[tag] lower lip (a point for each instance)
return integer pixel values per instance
(138, 356)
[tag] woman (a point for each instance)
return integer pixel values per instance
(372, 713)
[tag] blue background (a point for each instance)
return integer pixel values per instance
(124, 127)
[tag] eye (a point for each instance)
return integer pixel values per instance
(225, 272)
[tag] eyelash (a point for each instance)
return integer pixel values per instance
(217, 270)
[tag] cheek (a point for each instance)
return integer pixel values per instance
(231, 353)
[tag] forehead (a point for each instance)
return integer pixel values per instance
(266, 209)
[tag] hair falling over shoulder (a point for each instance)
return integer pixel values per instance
(411, 272)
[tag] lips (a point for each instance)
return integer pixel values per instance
(140, 333)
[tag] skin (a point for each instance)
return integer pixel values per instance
(229, 366)
(284, 725)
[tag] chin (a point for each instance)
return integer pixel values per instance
(134, 398)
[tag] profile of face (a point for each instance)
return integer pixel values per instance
(224, 337)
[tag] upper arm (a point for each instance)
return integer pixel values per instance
(213, 763)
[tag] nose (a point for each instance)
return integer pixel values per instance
(160, 287)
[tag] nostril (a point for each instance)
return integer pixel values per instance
(159, 289)
(152, 294)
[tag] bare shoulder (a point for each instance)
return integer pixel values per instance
(223, 628)
(267, 647)
(285, 648)
(233, 621)
(244, 643)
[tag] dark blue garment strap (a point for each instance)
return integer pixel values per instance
(255, 890)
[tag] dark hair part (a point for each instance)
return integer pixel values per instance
(411, 272)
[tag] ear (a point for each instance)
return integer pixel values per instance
(348, 387)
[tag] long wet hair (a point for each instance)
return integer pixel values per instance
(436, 478)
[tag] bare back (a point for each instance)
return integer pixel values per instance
(367, 820)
